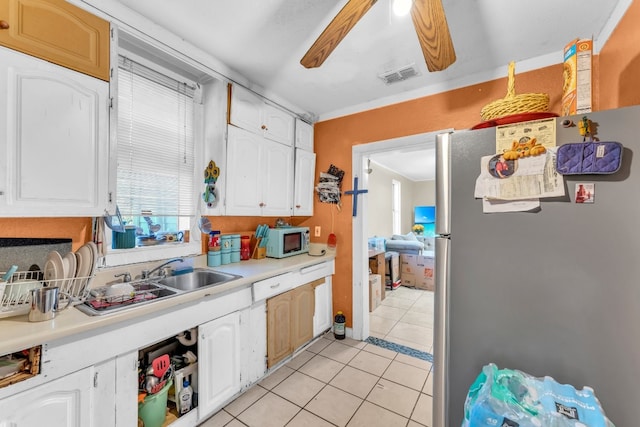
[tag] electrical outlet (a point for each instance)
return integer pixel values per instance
(317, 231)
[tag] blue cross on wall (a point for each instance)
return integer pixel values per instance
(355, 192)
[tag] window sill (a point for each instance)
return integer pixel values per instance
(118, 257)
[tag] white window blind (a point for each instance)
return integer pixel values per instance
(155, 152)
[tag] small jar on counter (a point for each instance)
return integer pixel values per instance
(245, 248)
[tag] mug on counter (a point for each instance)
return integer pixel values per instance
(44, 303)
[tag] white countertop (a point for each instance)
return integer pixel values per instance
(17, 333)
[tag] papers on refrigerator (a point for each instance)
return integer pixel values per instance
(533, 178)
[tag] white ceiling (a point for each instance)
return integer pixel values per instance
(418, 165)
(263, 41)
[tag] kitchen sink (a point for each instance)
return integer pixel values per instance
(198, 279)
(100, 302)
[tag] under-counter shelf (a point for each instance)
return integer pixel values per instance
(20, 366)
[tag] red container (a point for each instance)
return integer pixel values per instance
(245, 248)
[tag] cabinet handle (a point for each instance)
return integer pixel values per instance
(263, 127)
(261, 204)
(4, 25)
(298, 206)
(275, 286)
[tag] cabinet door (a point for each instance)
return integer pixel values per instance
(254, 337)
(277, 179)
(278, 328)
(304, 135)
(302, 306)
(305, 170)
(126, 389)
(246, 110)
(244, 165)
(55, 139)
(278, 125)
(322, 315)
(58, 32)
(65, 402)
(219, 363)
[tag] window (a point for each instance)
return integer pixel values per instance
(155, 173)
(396, 211)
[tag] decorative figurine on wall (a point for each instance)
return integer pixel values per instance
(211, 174)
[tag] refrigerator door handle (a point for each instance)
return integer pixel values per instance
(443, 184)
(441, 334)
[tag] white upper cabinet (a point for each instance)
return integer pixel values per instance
(304, 179)
(304, 135)
(260, 175)
(53, 139)
(250, 112)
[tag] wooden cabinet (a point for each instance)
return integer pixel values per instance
(219, 362)
(278, 328)
(304, 178)
(54, 146)
(302, 308)
(250, 112)
(289, 322)
(304, 135)
(65, 402)
(259, 177)
(59, 32)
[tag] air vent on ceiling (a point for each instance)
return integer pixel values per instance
(400, 74)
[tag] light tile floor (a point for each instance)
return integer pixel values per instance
(337, 383)
(405, 317)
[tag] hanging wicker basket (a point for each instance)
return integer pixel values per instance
(515, 104)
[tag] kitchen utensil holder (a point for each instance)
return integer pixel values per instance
(256, 251)
(16, 302)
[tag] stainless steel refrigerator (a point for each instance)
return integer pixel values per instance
(552, 292)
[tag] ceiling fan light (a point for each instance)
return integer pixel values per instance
(401, 7)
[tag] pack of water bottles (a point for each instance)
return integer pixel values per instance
(511, 398)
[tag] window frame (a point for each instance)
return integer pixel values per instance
(396, 206)
(118, 257)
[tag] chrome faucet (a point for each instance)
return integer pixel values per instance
(126, 277)
(147, 273)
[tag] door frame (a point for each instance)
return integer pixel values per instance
(360, 267)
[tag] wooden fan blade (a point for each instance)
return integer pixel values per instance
(431, 27)
(337, 29)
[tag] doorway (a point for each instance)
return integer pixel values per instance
(360, 156)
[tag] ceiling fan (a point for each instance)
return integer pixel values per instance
(429, 21)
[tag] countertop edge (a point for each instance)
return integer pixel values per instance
(17, 333)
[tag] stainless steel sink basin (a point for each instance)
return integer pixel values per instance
(198, 279)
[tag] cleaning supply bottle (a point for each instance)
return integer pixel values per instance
(185, 397)
(338, 326)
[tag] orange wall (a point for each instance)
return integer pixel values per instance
(614, 86)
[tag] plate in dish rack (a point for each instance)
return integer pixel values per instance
(54, 268)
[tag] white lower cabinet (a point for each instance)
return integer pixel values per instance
(65, 402)
(254, 344)
(323, 315)
(219, 358)
(126, 389)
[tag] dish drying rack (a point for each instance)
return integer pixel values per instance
(141, 291)
(16, 298)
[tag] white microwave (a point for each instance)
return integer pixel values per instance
(287, 241)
